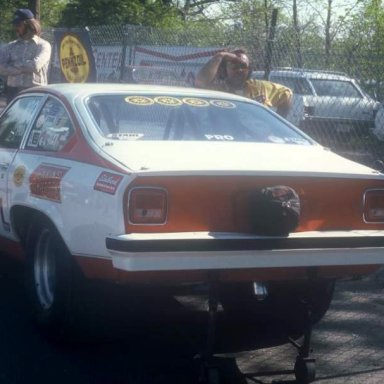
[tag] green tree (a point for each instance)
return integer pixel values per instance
(156, 13)
(7, 9)
(364, 45)
(248, 24)
(50, 12)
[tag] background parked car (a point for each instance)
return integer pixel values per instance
(378, 130)
(326, 103)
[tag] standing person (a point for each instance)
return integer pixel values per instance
(25, 60)
(229, 71)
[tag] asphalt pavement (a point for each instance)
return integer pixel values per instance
(154, 338)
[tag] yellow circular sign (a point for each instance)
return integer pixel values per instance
(18, 175)
(74, 61)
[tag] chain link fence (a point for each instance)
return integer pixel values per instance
(336, 95)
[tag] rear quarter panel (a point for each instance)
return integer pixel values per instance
(81, 200)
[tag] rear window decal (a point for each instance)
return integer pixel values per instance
(293, 140)
(168, 101)
(139, 100)
(219, 137)
(194, 102)
(108, 182)
(125, 136)
(276, 139)
(223, 104)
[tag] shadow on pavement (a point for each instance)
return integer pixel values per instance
(148, 336)
(121, 335)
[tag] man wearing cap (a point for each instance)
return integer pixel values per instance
(25, 61)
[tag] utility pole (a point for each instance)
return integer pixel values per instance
(270, 41)
(34, 6)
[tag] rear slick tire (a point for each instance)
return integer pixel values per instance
(51, 280)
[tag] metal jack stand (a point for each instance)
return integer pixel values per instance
(209, 372)
(305, 366)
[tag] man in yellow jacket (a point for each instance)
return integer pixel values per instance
(230, 71)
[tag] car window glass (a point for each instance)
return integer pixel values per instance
(298, 85)
(335, 88)
(139, 117)
(15, 121)
(52, 129)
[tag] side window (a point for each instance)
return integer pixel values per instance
(15, 121)
(52, 129)
(298, 85)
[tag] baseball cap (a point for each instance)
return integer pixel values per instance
(22, 15)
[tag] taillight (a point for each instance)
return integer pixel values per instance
(147, 205)
(374, 206)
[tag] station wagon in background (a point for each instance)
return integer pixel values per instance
(177, 186)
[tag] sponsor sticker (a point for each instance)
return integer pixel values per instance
(223, 104)
(168, 101)
(40, 121)
(45, 181)
(53, 139)
(18, 175)
(276, 139)
(125, 136)
(194, 102)
(34, 137)
(219, 137)
(107, 182)
(139, 100)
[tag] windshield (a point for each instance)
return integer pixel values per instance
(335, 88)
(148, 117)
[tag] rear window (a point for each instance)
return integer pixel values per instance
(148, 117)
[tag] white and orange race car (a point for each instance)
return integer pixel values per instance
(161, 185)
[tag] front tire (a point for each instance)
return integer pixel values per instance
(51, 279)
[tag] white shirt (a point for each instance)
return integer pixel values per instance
(26, 62)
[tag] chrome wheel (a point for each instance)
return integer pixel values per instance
(51, 279)
(44, 269)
